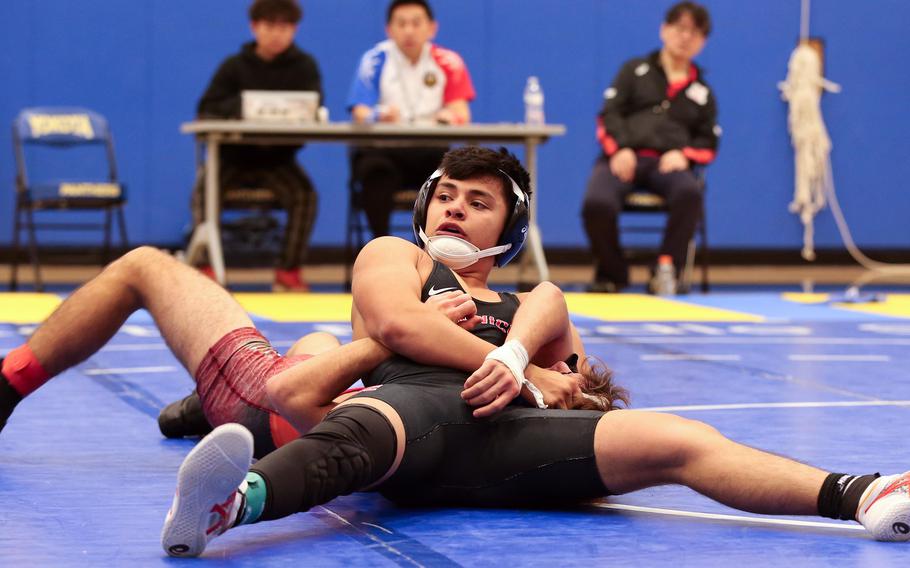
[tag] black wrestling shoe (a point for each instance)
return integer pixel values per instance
(9, 398)
(184, 418)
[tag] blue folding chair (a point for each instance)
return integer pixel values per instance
(65, 186)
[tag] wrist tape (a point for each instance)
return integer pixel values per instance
(514, 356)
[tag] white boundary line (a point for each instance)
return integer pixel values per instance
(690, 357)
(840, 358)
(754, 405)
(720, 517)
(373, 538)
(649, 339)
(129, 370)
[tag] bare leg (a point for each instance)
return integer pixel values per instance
(643, 449)
(191, 311)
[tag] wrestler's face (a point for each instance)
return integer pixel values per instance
(410, 27)
(272, 38)
(682, 39)
(473, 209)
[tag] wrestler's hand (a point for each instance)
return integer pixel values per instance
(558, 385)
(458, 306)
(491, 388)
(673, 161)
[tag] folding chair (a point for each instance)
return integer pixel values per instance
(61, 130)
(643, 201)
(357, 225)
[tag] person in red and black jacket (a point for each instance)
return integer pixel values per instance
(658, 121)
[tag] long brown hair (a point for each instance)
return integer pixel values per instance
(602, 393)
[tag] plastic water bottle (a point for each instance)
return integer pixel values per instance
(665, 278)
(534, 102)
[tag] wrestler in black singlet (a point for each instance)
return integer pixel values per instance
(520, 455)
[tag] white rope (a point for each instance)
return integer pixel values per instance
(814, 182)
(811, 144)
(804, 20)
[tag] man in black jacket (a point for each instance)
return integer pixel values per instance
(272, 63)
(658, 120)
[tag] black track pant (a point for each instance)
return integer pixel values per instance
(603, 202)
(381, 172)
(293, 189)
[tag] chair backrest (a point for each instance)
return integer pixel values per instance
(61, 127)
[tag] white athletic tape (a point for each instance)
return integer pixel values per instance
(514, 356)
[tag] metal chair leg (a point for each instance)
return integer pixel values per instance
(349, 243)
(106, 250)
(17, 230)
(705, 286)
(33, 250)
(689, 269)
(121, 222)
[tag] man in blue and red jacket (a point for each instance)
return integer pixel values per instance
(658, 121)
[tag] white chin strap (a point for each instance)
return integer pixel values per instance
(455, 252)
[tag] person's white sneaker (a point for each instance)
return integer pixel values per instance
(207, 497)
(884, 508)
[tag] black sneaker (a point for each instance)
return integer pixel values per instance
(184, 418)
(9, 398)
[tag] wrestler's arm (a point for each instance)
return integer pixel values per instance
(305, 393)
(542, 325)
(386, 289)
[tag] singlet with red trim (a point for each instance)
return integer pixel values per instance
(496, 319)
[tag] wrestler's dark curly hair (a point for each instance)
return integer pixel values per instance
(469, 162)
(599, 385)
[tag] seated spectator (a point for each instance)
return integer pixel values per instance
(404, 79)
(272, 63)
(658, 120)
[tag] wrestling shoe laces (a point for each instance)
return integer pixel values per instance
(210, 491)
(884, 508)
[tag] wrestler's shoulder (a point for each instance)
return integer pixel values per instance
(391, 244)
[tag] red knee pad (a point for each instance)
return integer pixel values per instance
(23, 370)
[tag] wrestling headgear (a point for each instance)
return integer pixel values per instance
(458, 253)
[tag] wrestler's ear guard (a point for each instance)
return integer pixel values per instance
(516, 228)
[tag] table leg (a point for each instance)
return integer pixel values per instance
(207, 234)
(535, 240)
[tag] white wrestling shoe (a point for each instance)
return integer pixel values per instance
(885, 508)
(207, 498)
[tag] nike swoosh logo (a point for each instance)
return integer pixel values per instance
(433, 291)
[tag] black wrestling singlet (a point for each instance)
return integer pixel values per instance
(496, 319)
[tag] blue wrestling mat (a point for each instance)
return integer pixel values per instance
(86, 478)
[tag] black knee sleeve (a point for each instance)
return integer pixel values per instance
(353, 447)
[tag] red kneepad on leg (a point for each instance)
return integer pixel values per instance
(23, 370)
